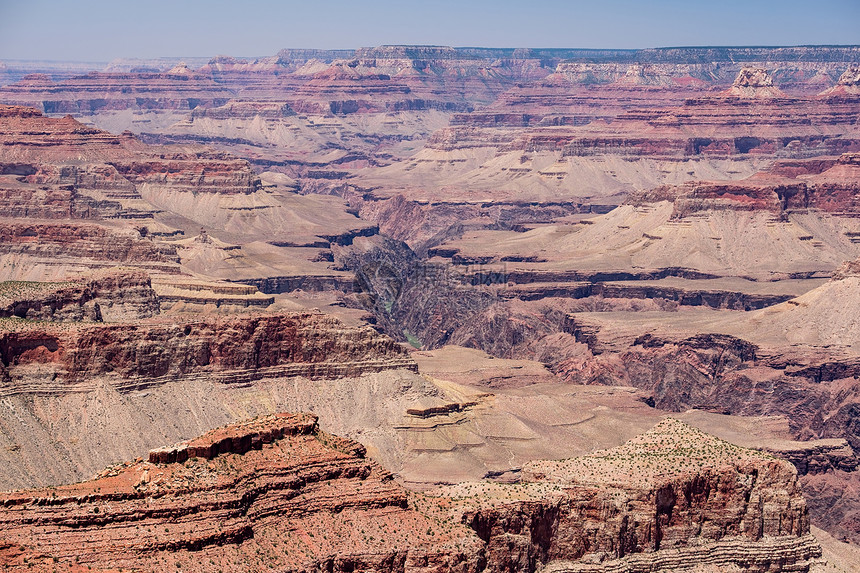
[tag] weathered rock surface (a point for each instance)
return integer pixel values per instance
(753, 83)
(111, 295)
(296, 498)
(54, 250)
(278, 490)
(636, 508)
(43, 359)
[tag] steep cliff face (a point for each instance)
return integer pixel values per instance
(670, 499)
(275, 491)
(111, 295)
(52, 360)
(279, 491)
(54, 250)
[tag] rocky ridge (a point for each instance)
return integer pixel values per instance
(111, 296)
(281, 490)
(296, 497)
(651, 494)
(44, 359)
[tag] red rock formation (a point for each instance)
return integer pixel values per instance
(229, 350)
(277, 491)
(283, 494)
(84, 245)
(636, 508)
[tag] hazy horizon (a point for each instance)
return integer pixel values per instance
(101, 31)
(298, 48)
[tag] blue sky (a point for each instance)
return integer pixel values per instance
(100, 30)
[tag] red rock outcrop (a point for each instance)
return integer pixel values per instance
(229, 350)
(279, 491)
(283, 494)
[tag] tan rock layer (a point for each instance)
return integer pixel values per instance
(115, 295)
(658, 502)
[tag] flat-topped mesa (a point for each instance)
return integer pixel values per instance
(239, 438)
(754, 83)
(81, 246)
(48, 359)
(246, 110)
(646, 75)
(709, 197)
(435, 60)
(193, 171)
(667, 500)
(408, 51)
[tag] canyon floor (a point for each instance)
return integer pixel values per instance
(432, 309)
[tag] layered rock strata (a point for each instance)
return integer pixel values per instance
(53, 249)
(63, 152)
(668, 500)
(279, 491)
(110, 295)
(295, 497)
(43, 359)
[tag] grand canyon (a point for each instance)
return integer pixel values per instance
(432, 309)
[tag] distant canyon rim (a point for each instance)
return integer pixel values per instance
(426, 309)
